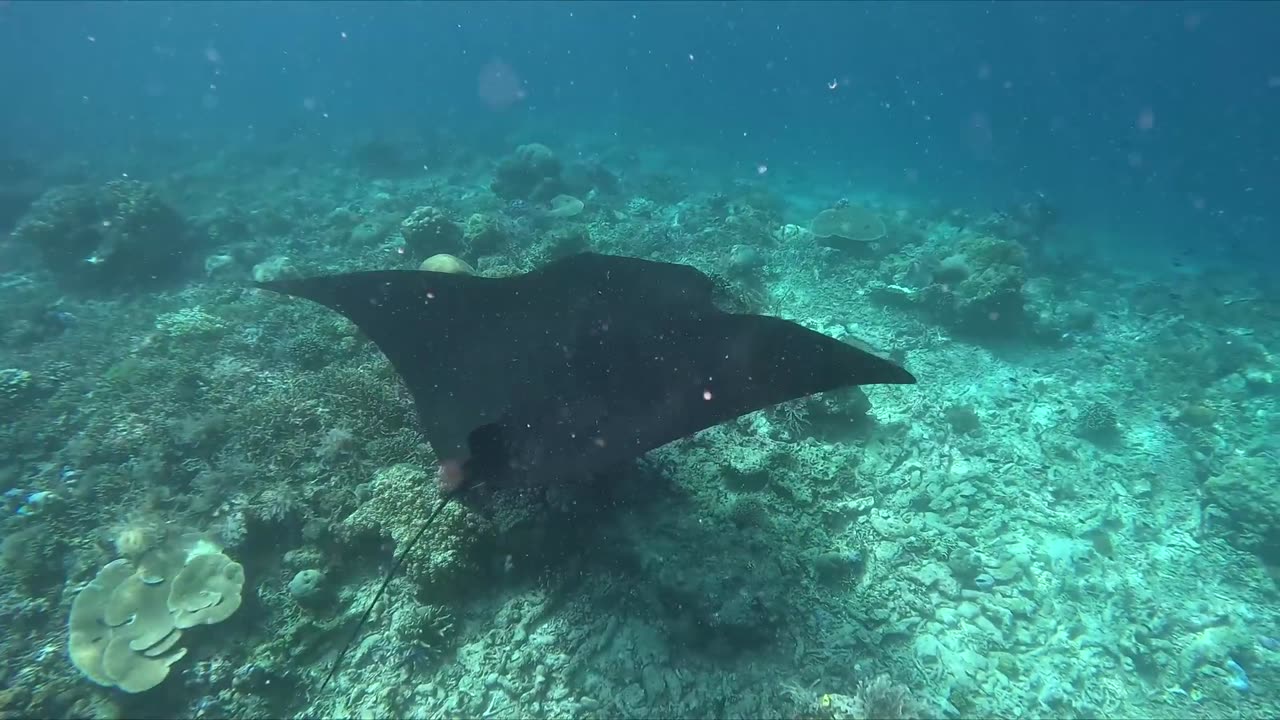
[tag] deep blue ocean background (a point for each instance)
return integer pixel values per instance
(1150, 124)
(1060, 219)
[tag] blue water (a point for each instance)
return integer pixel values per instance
(1075, 513)
(1149, 124)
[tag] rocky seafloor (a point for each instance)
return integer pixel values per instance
(1075, 513)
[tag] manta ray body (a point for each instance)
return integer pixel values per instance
(582, 364)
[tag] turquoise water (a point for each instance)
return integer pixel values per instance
(1068, 217)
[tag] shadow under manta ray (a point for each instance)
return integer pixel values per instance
(585, 363)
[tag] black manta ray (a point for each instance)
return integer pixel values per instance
(583, 364)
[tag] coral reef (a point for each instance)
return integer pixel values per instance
(848, 224)
(977, 290)
(125, 624)
(532, 172)
(564, 206)
(446, 563)
(427, 231)
(484, 234)
(446, 264)
(116, 235)
(1073, 515)
(1244, 503)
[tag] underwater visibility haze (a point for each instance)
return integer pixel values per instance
(807, 360)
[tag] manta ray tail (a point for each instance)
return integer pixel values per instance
(382, 589)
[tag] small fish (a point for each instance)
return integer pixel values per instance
(1239, 678)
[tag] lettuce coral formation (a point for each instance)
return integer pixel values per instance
(125, 624)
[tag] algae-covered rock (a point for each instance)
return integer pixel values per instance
(113, 236)
(532, 172)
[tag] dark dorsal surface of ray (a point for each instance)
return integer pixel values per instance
(582, 364)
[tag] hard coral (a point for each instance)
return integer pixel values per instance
(125, 625)
(848, 224)
(110, 660)
(133, 541)
(428, 231)
(206, 590)
(111, 236)
(305, 584)
(987, 299)
(484, 234)
(1097, 422)
(401, 498)
(531, 173)
(564, 206)
(444, 263)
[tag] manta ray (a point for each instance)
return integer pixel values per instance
(576, 367)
